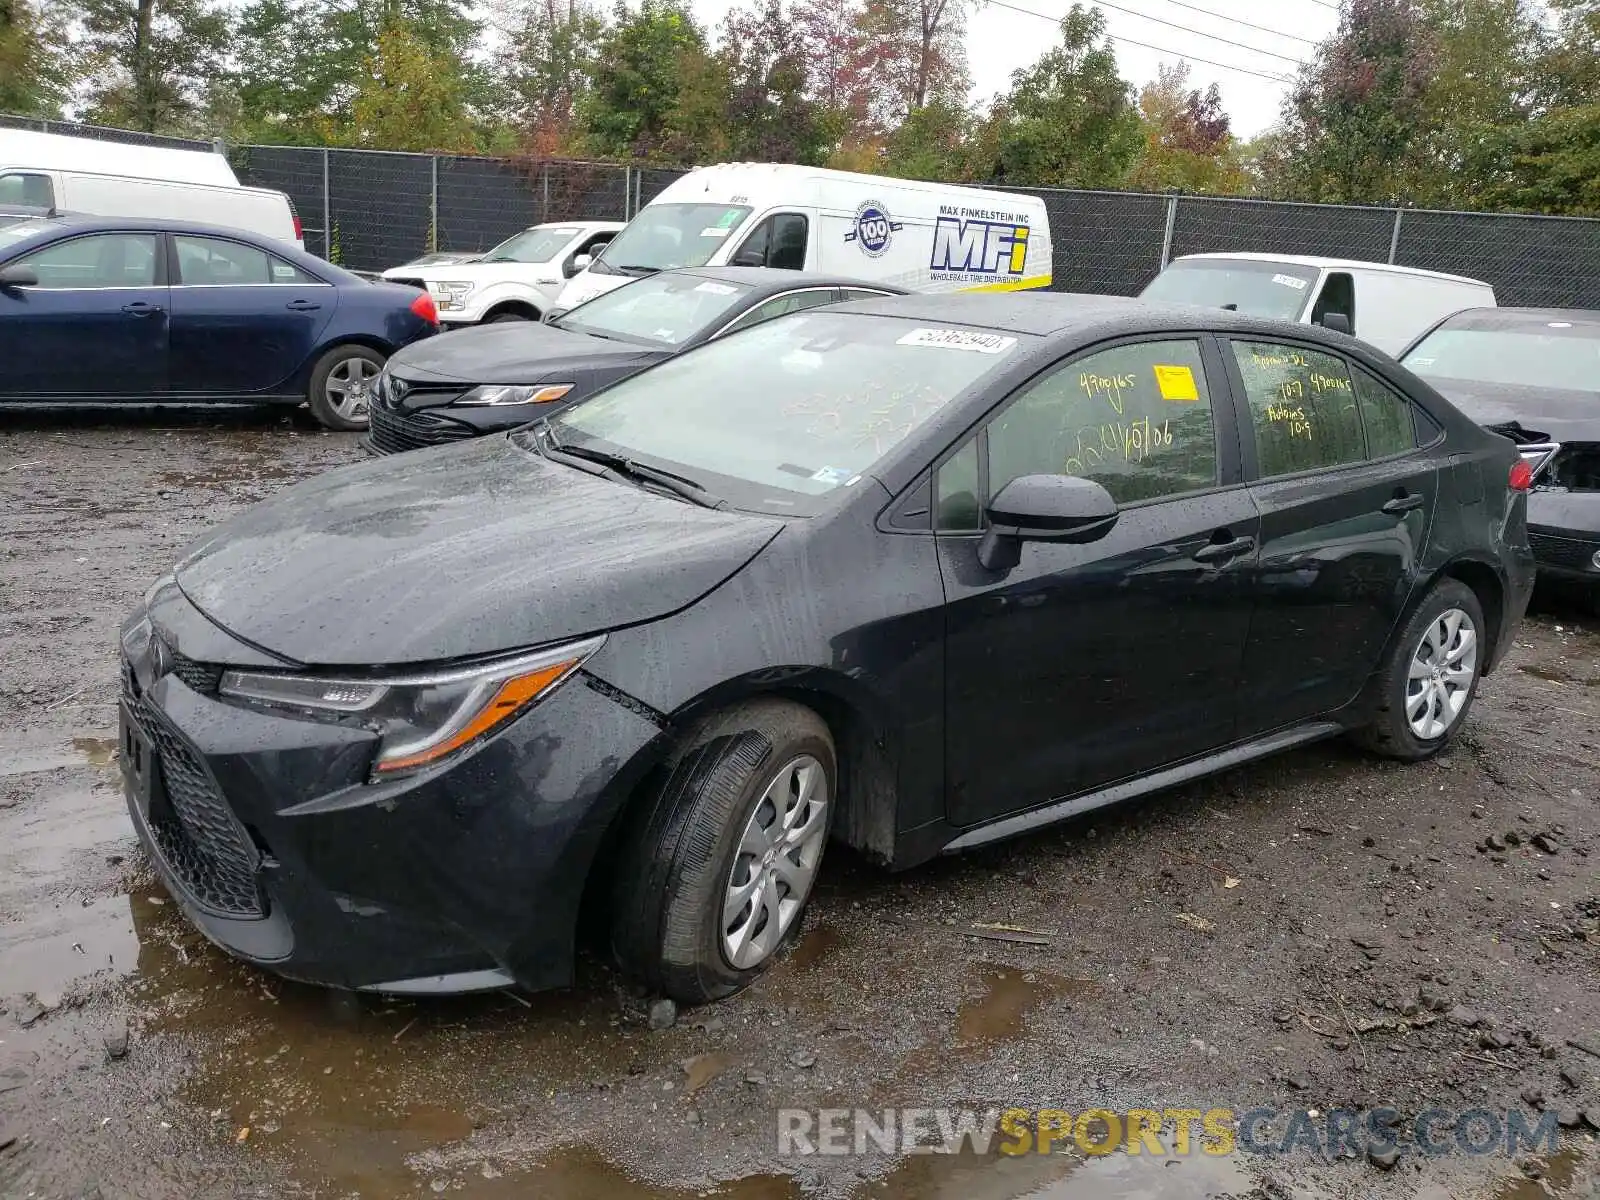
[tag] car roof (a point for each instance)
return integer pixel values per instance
(1081, 318)
(1516, 318)
(776, 279)
(70, 223)
(1332, 264)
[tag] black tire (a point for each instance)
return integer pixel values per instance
(317, 392)
(1390, 733)
(677, 858)
(513, 315)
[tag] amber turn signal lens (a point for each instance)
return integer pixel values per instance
(508, 700)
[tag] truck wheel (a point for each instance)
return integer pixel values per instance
(1430, 678)
(713, 876)
(341, 387)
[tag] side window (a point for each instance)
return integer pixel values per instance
(779, 305)
(1338, 295)
(779, 241)
(27, 189)
(283, 272)
(1386, 416)
(98, 261)
(847, 294)
(955, 492)
(1136, 419)
(1302, 408)
(204, 260)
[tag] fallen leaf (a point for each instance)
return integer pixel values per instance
(1229, 881)
(1199, 924)
(243, 1133)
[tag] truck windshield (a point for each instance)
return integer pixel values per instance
(664, 236)
(1258, 289)
(534, 245)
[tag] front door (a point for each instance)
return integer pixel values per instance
(243, 320)
(1346, 500)
(94, 326)
(1085, 664)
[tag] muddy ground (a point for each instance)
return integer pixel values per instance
(1252, 940)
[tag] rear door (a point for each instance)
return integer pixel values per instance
(243, 320)
(95, 325)
(1346, 499)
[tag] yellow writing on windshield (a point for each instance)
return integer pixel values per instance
(1291, 416)
(1125, 441)
(1107, 387)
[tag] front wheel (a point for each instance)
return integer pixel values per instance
(1430, 678)
(713, 878)
(340, 394)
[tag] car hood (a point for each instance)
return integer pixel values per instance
(1563, 416)
(514, 352)
(461, 551)
(481, 272)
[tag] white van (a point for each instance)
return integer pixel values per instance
(1385, 306)
(51, 172)
(518, 280)
(927, 237)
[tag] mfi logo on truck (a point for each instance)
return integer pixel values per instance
(978, 245)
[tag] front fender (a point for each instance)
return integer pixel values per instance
(540, 296)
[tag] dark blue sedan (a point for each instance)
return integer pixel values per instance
(97, 310)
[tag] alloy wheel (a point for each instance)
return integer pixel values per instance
(349, 387)
(776, 863)
(1443, 668)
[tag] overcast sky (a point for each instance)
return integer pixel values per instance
(1001, 39)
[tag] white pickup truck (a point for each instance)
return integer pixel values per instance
(516, 281)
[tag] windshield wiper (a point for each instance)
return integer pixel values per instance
(679, 485)
(637, 269)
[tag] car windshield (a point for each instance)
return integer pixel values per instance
(660, 310)
(664, 236)
(1260, 289)
(14, 227)
(531, 246)
(1551, 353)
(778, 417)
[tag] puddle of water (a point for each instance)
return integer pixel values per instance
(60, 947)
(582, 1174)
(96, 751)
(1561, 1171)
(815, 946)
(24, 754)
(1060, 1177)
(1010, 996)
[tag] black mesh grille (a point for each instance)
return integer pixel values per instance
(202, 677)
(195, 830)
(391, 432)
(1569, 553)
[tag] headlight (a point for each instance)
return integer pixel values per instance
(516, 393)
(452, 295)
(425, 718)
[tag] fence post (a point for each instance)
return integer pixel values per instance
(627, 193)
(327, 211)
(1394, 238)
(544, 214)
(433, 205)
(1166, 238)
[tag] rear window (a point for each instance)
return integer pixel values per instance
(1552, 353)
(1259, 289)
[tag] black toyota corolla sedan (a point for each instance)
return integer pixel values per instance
(496, 377)
(915, 574)
(1533, 374)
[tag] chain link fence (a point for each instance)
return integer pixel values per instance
(369, 209)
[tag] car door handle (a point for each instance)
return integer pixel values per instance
(1404, 504)
(141, 308)
(302, 306)
(1222, 551)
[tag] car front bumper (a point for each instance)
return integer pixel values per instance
(1564, 530)
(265, 830)
(394, 430)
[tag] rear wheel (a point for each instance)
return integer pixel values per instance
(511, 314)
(341, 387)
(714, 877)
(1430, 678)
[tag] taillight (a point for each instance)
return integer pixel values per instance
(299, 230)
(1521, 476)
(425, 308)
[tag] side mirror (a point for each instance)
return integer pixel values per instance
(748, 258)
(1044, 508)
(15, 277)
(1336, 321)
(580, 262)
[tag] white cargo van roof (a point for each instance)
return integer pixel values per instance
(788, 181)
(1332, 264)
(24, 148)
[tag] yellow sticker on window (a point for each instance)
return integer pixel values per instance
(1176, 383)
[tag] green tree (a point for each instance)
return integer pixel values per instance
(629, 109)
(410, 98)
(1187, 145)
(300, 62)
(915, 55)
(151, 60)
(34, 75)
(771, 115)
(1069, 120)
(545, 68)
